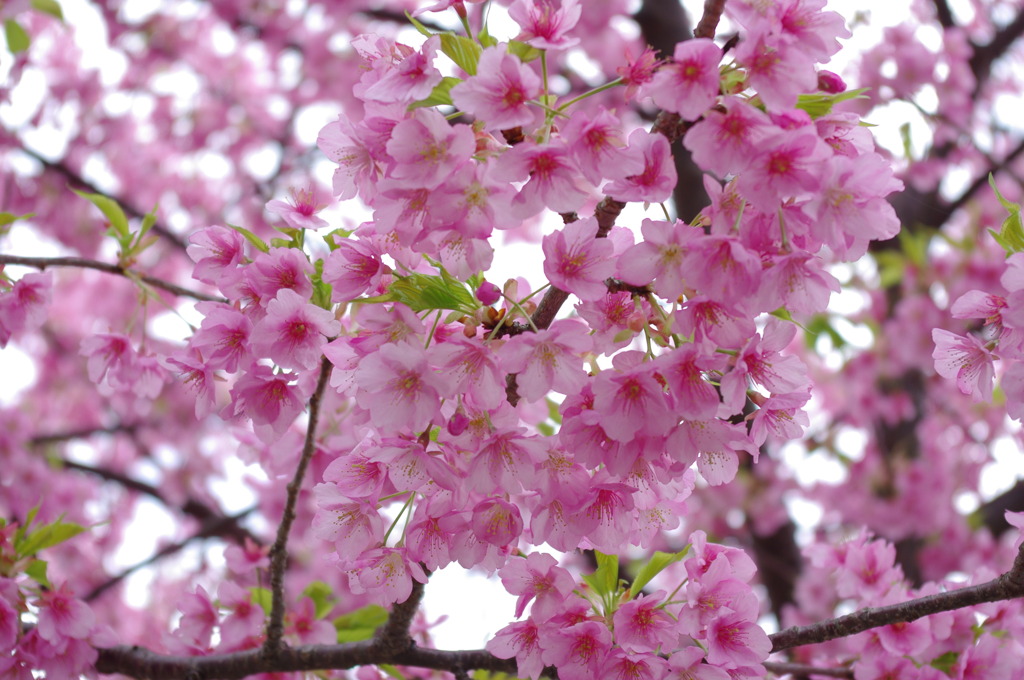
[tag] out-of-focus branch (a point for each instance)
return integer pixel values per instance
(83, 263)
(279, 552)
(227, 526)
(215, 526)
(1006, 587)
(76, 179)
(802, 671)
(943, 13)
(984, 55)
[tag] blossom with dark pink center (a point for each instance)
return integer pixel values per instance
(689, 84)
(293, 330)
(300, 212)
(500, 92)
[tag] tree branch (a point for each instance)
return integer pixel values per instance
(279, 552)
(1006, 587)
(394, 634)
(800, 670)
(42, 263)
(141, 663)
(216, 526)
(984, 55)
(74, 178)
(708, 23)
(228, 526)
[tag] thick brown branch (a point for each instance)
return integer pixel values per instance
(1006, 587)
(708, 23)
(141, 663)
(394, 634)
(279, 552)
(83, 263)
(801, 671)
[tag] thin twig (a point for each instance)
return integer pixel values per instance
(279, 552)
(1006, 587)
(73, 177)
(216, 526)
(803, 670)
(83, 263)
(192, 507)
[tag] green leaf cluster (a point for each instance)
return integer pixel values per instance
(1011, 235)
(429, 292)
(30, 540)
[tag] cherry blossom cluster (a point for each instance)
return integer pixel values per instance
(43, 627)
(706, 627)
(977, 642)
(970, 359)
(420, 366)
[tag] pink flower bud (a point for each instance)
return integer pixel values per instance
(457, 424)
(830, 82)
(488, 293)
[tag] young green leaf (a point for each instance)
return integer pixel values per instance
(322, 596)
(439, 96)
(17, 39)
(655, 566)
(46, 536)
(48, 7)
(112, 211)
(252, 238)
(360, 624)
(463, 51)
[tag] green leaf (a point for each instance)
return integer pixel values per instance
(655, 566)
(818, 104)
(439, 96)
(418, 25)
(263, 597)
(322, 596)
(525, 52)
(485, 37)
(112, 211)
(360, 624)
(422, 292)
(17, 39)
(463, 51)
(391, 671)
(605, 579)
(945, 662)
(36, 570)
(252, 238)
(7, 218)
(48, 7)
(1011, 235)
(553, 413)
(321, 289)
(46, 536)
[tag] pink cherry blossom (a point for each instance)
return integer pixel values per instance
(398, 388)
(545, 23)
(500, 92)
(293, 330)
(577, 262)
(548, 360)
(688, 85)
(655, 182)
(301, 212)
(553, 181)
(538, 578)
(966, 360)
